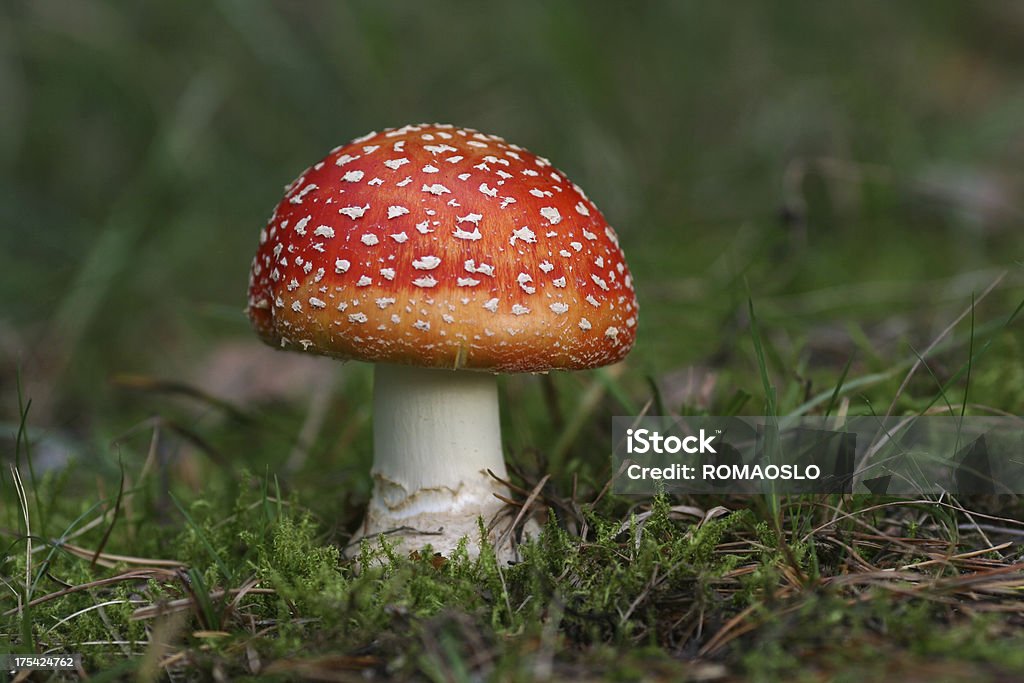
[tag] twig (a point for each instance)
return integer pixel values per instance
(522, 511)
(134, 574)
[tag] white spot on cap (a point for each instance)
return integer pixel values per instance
(559, 282)
(484, 268)
(436, 189)
(387, 273)
(430, 169)
(559, 308)
(396, 211)
(369, 239)
(564, 252)
(353, 176)
(357, 317)
(354, 212)
(599, 262)
(400, 237)
(491, 305)
(341, 265)
(463, 235)
(505, 201)
(385, 301)
(592, 301)
(317, 303)
(582, 209)
(344, 159)
(576, 245)
(469, 218)
(293, 284)
(297, 306)
(584, 324)
(489, 191)
(519, 310)
(455, 159)
(425, 281)
(599, 282)
(395, 164)
(589, 235)
(525, 234)
(403, 183)
(547, 266)
(422, 325)
(364, 281)
(300, 227)
(426, 263)
(523, 279)
(467, 282)
(297, 199)
(324, 231)
(612, 332)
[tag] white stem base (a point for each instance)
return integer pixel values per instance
(436, 434)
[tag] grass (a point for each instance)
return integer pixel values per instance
(798, 588)
(821, 210)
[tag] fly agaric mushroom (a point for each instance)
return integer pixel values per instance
(444, 256)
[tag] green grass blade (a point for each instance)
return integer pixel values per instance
(225, 572)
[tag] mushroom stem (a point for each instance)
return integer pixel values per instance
(436, 434)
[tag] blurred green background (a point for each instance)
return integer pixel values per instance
(855, 168)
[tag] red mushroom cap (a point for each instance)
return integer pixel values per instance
(439, 246)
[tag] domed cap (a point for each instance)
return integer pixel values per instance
(439, 246)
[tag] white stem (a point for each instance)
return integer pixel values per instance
(436, 434)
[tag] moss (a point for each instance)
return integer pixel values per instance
(634, 593)
(297, 567)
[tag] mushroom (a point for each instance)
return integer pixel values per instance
(444, 256)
